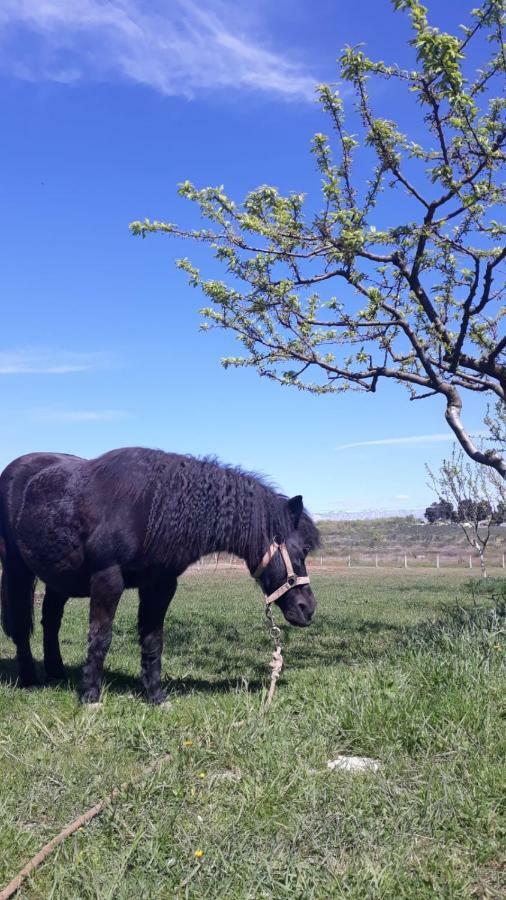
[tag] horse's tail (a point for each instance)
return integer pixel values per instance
(5, 613)
(16, 605)
(16, 612)
(4, 616)
(3, 548)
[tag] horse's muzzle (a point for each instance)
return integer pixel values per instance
(300, 612)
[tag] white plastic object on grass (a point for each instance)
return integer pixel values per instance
(354, 764)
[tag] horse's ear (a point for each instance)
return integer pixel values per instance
(295, 507)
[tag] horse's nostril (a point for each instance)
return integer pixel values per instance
(305, 609)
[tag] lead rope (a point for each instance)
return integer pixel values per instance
(276, 662)
(82, 820)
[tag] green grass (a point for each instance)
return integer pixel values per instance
(389, 670)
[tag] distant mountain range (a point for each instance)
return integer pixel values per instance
(343, 515)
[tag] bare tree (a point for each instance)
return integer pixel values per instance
(477, 495)
(420, 300)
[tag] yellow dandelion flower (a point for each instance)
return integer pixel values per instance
(198, 854)
(202, 774)
(187, 743)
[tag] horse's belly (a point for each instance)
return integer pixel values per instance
(69, 584)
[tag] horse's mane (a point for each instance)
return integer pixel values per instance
(204, 504)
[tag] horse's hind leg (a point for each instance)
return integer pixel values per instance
(154, 602)
(52, 612)
(106, 589)
(17, 616)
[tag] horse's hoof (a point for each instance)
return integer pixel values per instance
(90, 698)
(158, 699)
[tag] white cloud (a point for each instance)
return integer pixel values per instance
(44, 414)
(401, 497)
(48, 362)
(177, 47)
(412, 439)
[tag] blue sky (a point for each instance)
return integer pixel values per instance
(105, 108)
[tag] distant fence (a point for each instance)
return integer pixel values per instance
(359, 560)
(431, 560)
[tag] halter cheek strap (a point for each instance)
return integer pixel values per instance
(292, 580)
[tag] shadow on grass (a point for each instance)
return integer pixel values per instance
(229, 655)
(8, 671)
(123, 683)
(236, 664)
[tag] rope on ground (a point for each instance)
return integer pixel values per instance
(276, 662)
(276, 665)
(72, 827)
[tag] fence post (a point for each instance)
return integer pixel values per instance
(321, 560)
(376, 561)
(503, 561)
(349, 561)
(437, 560)
(405, 561)
(470, 561)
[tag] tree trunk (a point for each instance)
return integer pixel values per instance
(482, 563)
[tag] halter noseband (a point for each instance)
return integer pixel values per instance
(292, 580)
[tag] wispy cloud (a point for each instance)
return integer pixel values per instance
(47, 414)
(48, 362)
(177, 47)
(411, 439)
(401, 497)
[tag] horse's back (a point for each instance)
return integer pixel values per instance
(67, 516)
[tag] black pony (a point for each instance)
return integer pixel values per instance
(133, 518)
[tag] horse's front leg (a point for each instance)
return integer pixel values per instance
(153, 605)
(106, 589)
(52, 612)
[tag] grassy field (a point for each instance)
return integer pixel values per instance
(391, 538)
(245, 806)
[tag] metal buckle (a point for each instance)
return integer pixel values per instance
(291, 580)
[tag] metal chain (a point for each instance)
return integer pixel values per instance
(272, 628)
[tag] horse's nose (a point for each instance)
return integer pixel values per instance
(306, 608)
